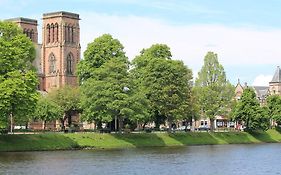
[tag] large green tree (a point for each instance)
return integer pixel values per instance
(273, 103)
(97, 53)
(18, 80)
(46, 110)
(249, 111)
(109, 95)
(105, 73)
(214, 90)
(68, 99)
(165, 82)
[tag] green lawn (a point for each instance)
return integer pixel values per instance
(32, 142)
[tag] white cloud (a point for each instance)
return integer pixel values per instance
(188, 42)
(262, 80)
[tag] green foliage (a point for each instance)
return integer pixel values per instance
(97, 53)
(18, 94)
(47, 110)
(249, 111)
(16, 50)
(274, 107)
(159, 51)
(168, 87)
(67, 99)
(18, 81)
(164, 81)
(108, 90)
(109, 94)
(214, 92)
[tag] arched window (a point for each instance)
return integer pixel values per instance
(56, 32)
(31, 34)
(72, 35)
(69, 64)
(52, 33)
(68, 33)
(52, 63)
(24, 31)
(48, 33)
(65, 33)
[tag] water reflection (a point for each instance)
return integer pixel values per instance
(218, 159)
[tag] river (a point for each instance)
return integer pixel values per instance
(256, 159)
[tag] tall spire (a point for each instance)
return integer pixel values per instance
(277, 76)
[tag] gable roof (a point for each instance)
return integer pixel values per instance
(277, 76)
(261, 91)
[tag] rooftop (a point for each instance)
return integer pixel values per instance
(61, 13)
(23, 20)
(277, 76)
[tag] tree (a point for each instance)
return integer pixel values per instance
(193, 110)
(46, 110)
(274, 106)
(249, 111)
(18, 80)
(97, 53)
(169, 88)
(164, 81)
(215, 92)
(109, 96)
(68, 100)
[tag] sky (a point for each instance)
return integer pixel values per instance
(246, 34)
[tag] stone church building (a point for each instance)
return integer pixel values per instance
(58, 54)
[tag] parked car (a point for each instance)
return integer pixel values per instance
(183, 128)
(203, 128)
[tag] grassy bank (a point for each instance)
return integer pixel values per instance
(108, 141)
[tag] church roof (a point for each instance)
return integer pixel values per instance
(23, 20)
(261, 91)
(277, 76)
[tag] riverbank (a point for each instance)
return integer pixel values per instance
(36, 142)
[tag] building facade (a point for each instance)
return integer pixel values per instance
(58, 55)
(262, 92)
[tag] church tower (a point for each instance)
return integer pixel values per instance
(275, 84)
(60, 49)
(29, 27)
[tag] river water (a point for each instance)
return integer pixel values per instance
(249, 159)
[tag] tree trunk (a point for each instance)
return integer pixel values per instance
(120, 124)
(191, 124)
(143, 126)
(44, 125)
(62, 124)
(212, 125)
(69, 119)
(169, 124)
(11, 120)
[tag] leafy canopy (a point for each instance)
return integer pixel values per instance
(274, 105)
(249, 111)
(165, 82)
(214, 91)
(101, 50)
(18, 80)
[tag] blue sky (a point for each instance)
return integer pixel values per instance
(246, 34)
